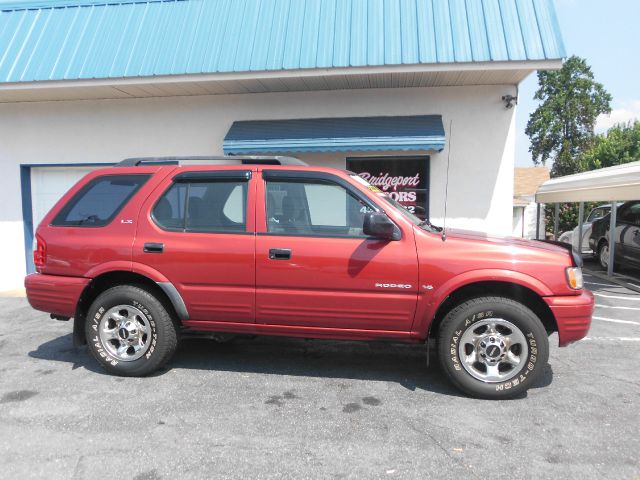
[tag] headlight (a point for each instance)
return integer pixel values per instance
(574, 277)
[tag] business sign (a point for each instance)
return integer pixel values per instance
(404, 179)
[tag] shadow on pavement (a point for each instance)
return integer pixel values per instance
(405, 364)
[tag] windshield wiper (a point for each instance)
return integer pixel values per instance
(430, 226)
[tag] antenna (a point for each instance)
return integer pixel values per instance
(446, 188)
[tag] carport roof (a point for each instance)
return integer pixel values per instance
(621, 182)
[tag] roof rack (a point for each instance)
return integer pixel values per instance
(245, 160)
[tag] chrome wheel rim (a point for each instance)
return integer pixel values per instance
(125, 332)
(604, 256)
(493, 350)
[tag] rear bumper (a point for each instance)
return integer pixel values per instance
(54, 293)
(573, 315)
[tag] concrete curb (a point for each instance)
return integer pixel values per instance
(18, 292)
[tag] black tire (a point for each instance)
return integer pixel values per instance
(474, 313)
(604, 244)
(160, 342)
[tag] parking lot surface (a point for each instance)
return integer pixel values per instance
(288, 408)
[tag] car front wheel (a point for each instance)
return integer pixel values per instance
(493, 347)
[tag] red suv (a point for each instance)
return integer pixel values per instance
(152, 248)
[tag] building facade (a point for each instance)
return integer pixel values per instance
(526, 181)
(410, 94)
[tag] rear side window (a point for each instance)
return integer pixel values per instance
(218, 206)
(99, 201)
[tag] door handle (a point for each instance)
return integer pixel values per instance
(280, 253)
(154, 247)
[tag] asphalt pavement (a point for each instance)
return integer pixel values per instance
(289, 408)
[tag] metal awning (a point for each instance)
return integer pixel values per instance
(621, 182)
(611, 184)
(405, 133)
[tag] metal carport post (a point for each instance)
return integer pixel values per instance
(612, 184)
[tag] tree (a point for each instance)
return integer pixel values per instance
(621, 144)
(561, 128)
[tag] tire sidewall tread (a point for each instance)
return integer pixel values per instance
(463, 316)
(163, 330)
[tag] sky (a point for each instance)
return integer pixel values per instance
(607, 34)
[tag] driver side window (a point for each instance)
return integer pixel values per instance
(314, 208)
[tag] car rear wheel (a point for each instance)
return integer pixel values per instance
(130, 332)
(492, 347)
(603, 255)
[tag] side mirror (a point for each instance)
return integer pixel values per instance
(378, 225)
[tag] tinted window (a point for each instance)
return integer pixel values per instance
(314, 208)
(597, 213)
(99, 201)
(218, 206)
(630, 213)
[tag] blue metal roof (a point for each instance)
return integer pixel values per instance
(410, 133)
(66, 40)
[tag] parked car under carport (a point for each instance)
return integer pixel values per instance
(627, 236)
(571, 236)
(611, 184)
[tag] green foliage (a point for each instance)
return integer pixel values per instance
(568, 218)
(621, 144)
(561, 128)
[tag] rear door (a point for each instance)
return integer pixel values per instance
(197, 230)
(316, 268)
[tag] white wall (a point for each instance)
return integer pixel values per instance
(482, 157)
(530, 218)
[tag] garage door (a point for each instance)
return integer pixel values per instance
(48, 184)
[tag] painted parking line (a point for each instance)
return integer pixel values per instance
(612, 339)
(615, 320)
(617, 297)
(618, 308)
(601, 284)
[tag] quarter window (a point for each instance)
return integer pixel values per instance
(314, 208)
(216, 206)
(99, 201)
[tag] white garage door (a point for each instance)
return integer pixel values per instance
(48, 184)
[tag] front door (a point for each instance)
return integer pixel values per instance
(316, 268)
(199, 236)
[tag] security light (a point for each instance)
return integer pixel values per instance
(510, 100)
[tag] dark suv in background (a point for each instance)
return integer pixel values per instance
(627, 236)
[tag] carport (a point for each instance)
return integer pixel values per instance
(611, 184)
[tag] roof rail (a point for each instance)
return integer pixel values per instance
(245, 160)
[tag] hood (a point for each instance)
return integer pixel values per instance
(507, 241)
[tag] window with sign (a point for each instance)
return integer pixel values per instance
(405, 179)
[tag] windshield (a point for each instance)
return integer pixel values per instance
(598, 212)
(426, 224)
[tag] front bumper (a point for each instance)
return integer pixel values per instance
(54, 293)
(573, 315)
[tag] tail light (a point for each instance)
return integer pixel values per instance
(39, 253)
